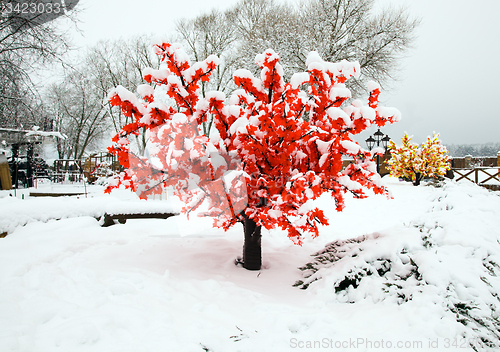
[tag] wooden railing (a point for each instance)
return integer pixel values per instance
(484, 176)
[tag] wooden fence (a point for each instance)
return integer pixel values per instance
(488, 177)
(471, 162)
(484, 171)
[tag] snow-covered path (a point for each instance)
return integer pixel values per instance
(171, 285)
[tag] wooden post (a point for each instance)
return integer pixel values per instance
(5, 180)
(468, 160)
(498, 158)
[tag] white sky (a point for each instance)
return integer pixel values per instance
(449, 82)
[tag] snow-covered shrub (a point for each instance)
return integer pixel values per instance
(355, 267)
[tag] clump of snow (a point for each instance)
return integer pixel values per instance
(368, 113)
(269, 53)
(246, 74)
(323, 147)
(145, 90)
(175, 81)
(372, 85)
(240, 125)
(351, 147)
(299, 79)
(201, 65)
(346, 68)
(313, 57)
(387, 112)
(179, 118)
(217, 160)
(123, 93)
(46, 134)
(235, 96)
(161, 74)
(215, 94)
(340, 91)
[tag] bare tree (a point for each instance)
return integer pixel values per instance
(79, 114)
(351, 30)
(27, 42)
(78, 102)
(336, 29)
(264, 24)
(17, 96)
(212, 33)
(110, 63)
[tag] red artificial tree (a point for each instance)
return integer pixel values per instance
(275, 146)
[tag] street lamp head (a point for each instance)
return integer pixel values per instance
(385, 141)
(370, 142)
(378, 136)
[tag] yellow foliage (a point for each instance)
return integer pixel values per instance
(414, 163)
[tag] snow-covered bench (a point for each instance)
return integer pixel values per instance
(16, 212)
(111, 219)
(55, 194)
(120, 212)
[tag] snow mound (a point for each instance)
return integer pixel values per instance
(15, 212)
(444, 259)
(345, 267)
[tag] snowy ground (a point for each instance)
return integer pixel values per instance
(415, 273)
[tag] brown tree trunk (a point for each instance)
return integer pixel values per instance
(418, 178)
(252, 253)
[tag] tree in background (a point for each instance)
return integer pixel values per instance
(476, 150)
(275, 145)
(27, 42)
(414, 163)
(213, 33)
(78, 101)
(110, 63)
(78, 112)
(337, 29)
(19, 99)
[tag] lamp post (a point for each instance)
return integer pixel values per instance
(378, 139)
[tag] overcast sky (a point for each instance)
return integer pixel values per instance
(449, 82)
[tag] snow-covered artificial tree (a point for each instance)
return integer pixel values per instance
(274, 146)
(414, 163)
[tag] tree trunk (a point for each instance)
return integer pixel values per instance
(252, 254)
(418, 178)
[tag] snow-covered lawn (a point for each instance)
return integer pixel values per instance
(418, 272)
